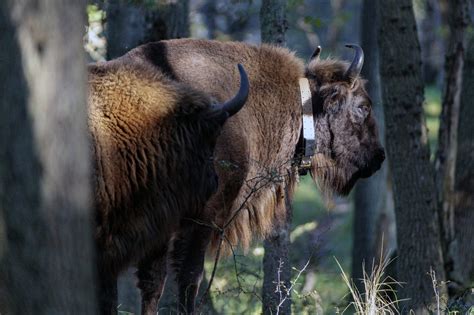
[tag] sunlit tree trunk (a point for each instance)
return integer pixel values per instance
(48, 264)
(276, 264)
(418, 236)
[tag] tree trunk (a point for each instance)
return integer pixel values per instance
(370, 194)
(463, 244)
(130, 24)
(418, 236)
(276, 264)
(45, 191)
(273, 22)
(458, 19)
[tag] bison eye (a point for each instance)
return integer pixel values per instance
(360, 112)
(365, 109)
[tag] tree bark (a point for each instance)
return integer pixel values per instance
(276, 264)
(130, 24)
(462, 248)
(370, 194)
(418, 236)
(273, 22)
(45, 191)
(458, 20)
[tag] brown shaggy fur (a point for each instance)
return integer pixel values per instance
(153, 140)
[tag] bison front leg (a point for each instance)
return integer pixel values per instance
(151, 276)
(189, 249)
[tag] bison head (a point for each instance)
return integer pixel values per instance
(347, 145)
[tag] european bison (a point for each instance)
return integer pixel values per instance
(153, 142)
(256, 154)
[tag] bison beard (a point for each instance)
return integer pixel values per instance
(253, 156)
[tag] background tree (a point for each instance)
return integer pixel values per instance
(418, 236)
(371, 215)
(431, 42)
(458, 20)
(276, 264)
(463, 243)
(132, 23)
(45, 191)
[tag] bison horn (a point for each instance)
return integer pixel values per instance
(233, 105)
(316, 53)
(356, 66)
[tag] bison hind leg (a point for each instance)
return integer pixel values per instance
(188, 253)
(151, 276)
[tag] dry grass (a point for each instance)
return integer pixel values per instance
(380, 294)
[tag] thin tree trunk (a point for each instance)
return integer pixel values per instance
(458, 19)
(273, 22)
(45, 191)
(370, 194)
(462, 248)
(276, 264)
(418, 236)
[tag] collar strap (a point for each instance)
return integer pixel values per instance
(307, 138)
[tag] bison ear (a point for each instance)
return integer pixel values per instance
(232, 106)
(316, 54)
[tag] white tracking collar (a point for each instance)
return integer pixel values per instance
(308, 120)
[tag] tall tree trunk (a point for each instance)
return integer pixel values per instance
(458, 20)
(276, 264)
(370, 210)
(462, 248)
(132, 23)
(45, 184)
(418, 236)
